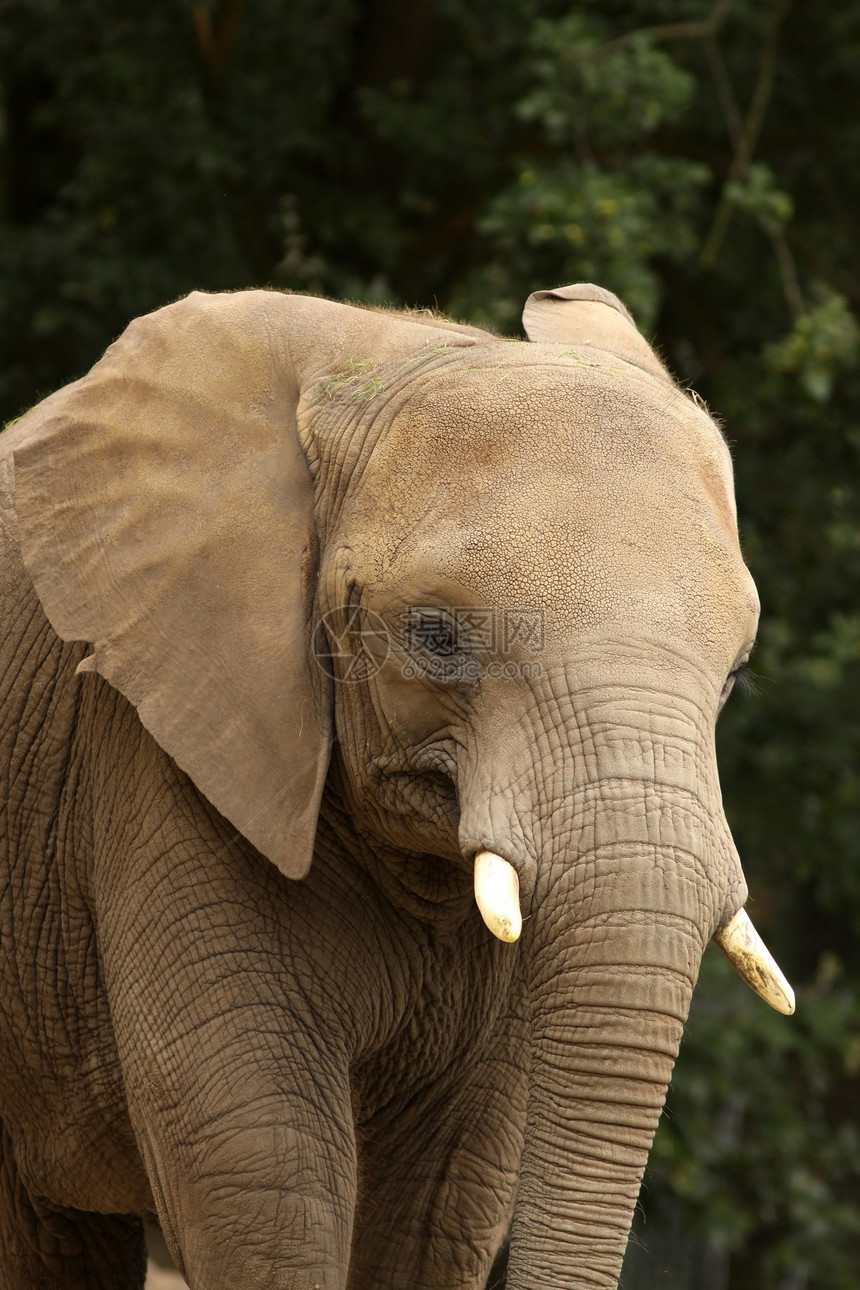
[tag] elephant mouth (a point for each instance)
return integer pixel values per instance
(422, 789)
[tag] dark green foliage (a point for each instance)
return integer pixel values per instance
(701, 160)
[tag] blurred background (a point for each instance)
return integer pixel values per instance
(701, 160)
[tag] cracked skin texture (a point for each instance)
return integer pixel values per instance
(248, 991)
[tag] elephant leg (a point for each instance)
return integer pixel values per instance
(438, 1177)
(47, 1248)
(236, 1077)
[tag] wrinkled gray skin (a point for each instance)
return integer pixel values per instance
(336, 1080)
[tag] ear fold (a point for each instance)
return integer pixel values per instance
(583, 314)
(167, 516)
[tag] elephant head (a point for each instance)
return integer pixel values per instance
(502, 580)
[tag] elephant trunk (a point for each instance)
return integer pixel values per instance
(619, 830)
(613, 947)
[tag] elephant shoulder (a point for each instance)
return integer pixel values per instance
(37, 670)
(17, 593)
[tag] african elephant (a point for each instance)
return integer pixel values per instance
(422, 617)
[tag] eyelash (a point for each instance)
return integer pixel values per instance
(744, 679)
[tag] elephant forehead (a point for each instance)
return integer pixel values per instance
(524, 413)
(558, 486)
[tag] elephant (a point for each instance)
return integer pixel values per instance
(360, 672)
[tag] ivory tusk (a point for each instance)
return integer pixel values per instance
(754, 963)
(497, 894)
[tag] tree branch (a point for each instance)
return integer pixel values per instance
(788, 274)
(735, 128)
(214, 44)
(749, 138)
(725, 93)
(703, 29)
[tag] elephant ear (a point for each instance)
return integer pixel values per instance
(166, 512)
(583, 314)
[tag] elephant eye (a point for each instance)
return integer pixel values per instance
(432, 633)
(740, 676)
